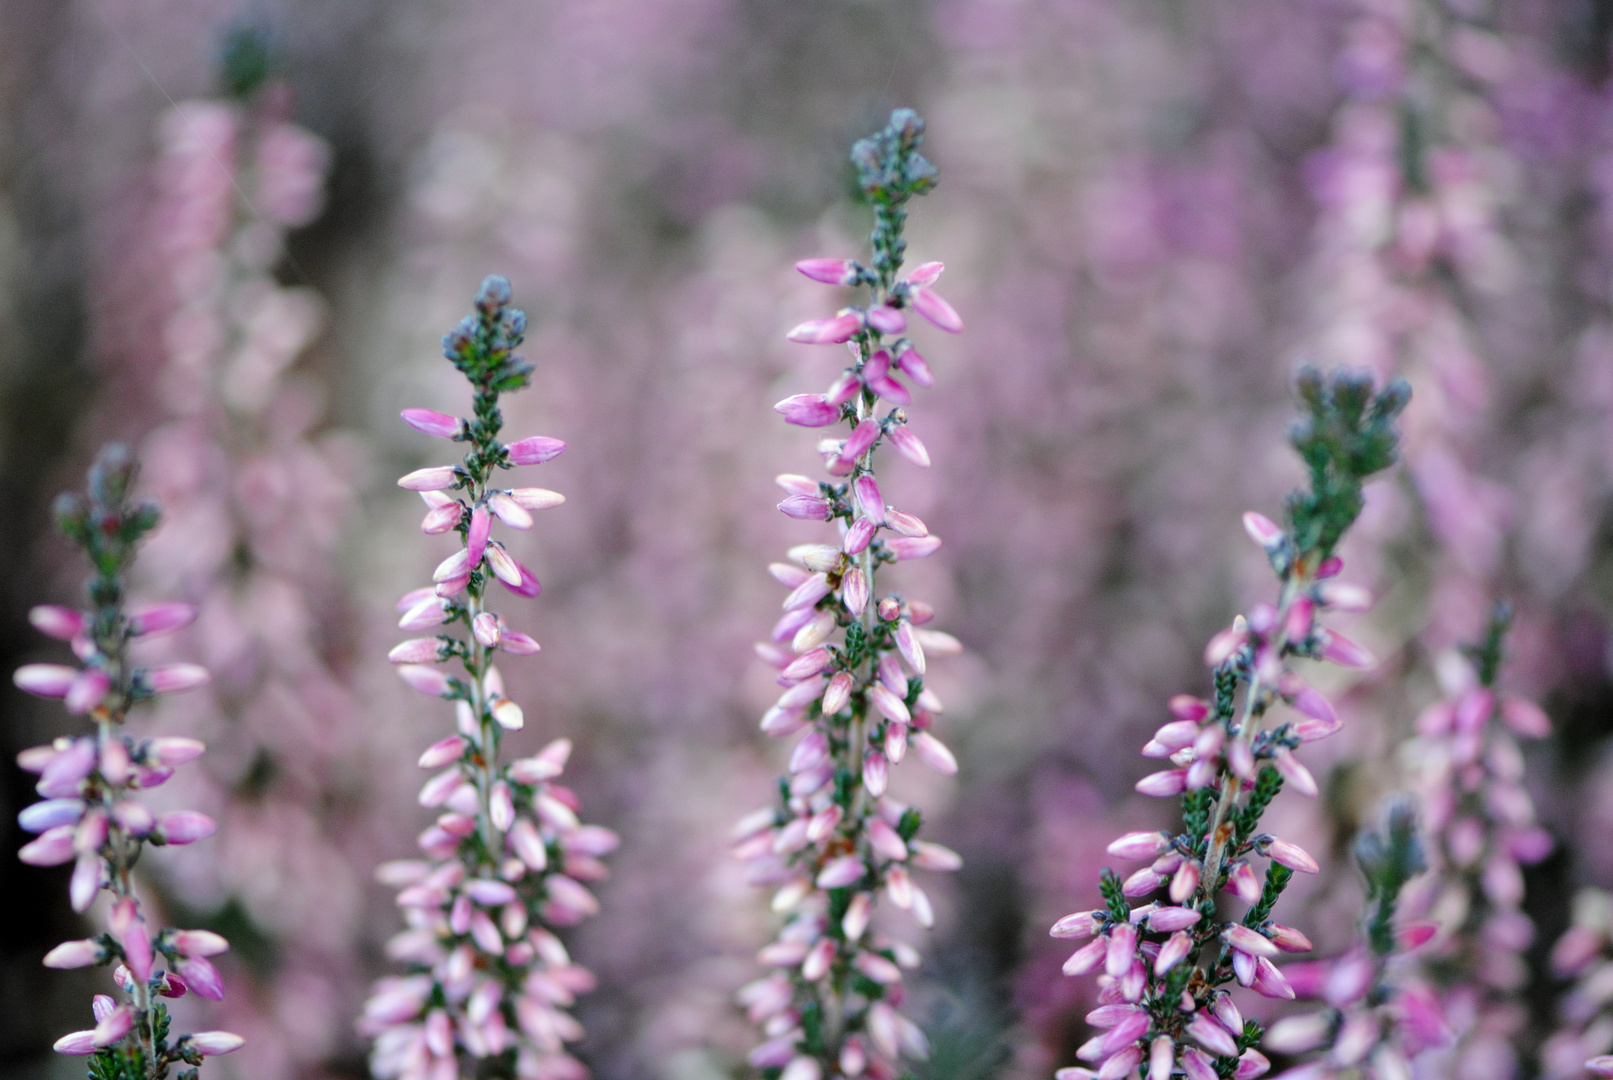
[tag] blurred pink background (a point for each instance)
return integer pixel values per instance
(1150, 212)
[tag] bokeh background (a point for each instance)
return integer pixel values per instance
(1151, 211)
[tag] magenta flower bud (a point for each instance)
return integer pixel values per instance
(1262, 530)
(1226, 1011)
(75, 954)
(912, 361)
(926, 273)
(914, 547)
(876, 773)
(869, 499)
(517, 643)
(1165, 784)
(174, 678)
(118, 1023)
(161, 618)
(829, 271)
(888, 388)
(200, 943)
(1081, 924)
(443, 515)
(835, 330)
(935, 309)
(202, 978)
(1132, 1026)
(1290, 940)
(840, 872)
(1292, 856)
(807, 664)
(45, 680)
(417, 651)
(52, 848)
(1270, 982)
(843, 389)
(808, 410)
(1185, 881)
(1121, 1064)
(859, 536)
(1087, 958)
(129, 929)
(427, 680)
(534, 450)
(432, 478)
(65, 770)
(1295, 773)
(76, 1044)
(1251, 1063)
(805, 508)
(885, 841)
(1197, 1066)
(1141, 883)
(58, 622)
(215, 1043)
(863, 436)
(481, 526)
(435, 423)
(889, 705)
(1173, 952)
(186, 827)
(1122, 946)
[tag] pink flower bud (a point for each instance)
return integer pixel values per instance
(1525, 717)
(1081, 924)
(1270, 982)
(808, 410)
(1161, 1057)
(186, 827)
(876, 773)
(1290, 940)
(1122, 947)
(507, 714)
(432, 478)
(517, 643)
(1139, 845)
(889, 705)
(935, 309)
(534, 450)
(76, 1044)
(1087, 958)
(535, 498)
(908, 445)
(1173, 952)
(807, 664)
(174, 678)
(1292, 856)
(45, 680)
(52, 848)
(805, 508)
(443, 752)
(215, 1043)
(859, 536)
(161, 618)
(51, 813)
(430, 422)
(886, 319)
(1165, 784)
(417, 651)
(481, 526)
(443, 515)
(1249, 941)
(1204, 1030)
(75, 954)
(914, 547)
(831, 331)
(427, 680)
(854, 592)
(1295, 773)
(840, 872)
(864, 435)
(202, 977)
(200, 943)
(829, 271)
(912, 361)
(1168, 920)
(118, 1023)
(486, 628)
(58, 622)
(129, 929)
(1343, 651)
(885, 841)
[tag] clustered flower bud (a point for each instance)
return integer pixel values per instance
(507, 857)
(1165, 959)
(1583, 954)
(91, 815)
(852, 662)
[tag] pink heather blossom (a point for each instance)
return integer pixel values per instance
(534, 450)
(434, 423)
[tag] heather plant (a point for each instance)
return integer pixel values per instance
(1167, 962)
(837, 839)
(489, 981)
(1468, 771)
(91, 815)
(1584, 955)
(1377, 1015)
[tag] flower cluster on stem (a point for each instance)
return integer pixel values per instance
(507, 856)
(1585, 1012)
(1167, 962)
(1378, 1016)
(90, 814)
(1468, 772)
(836, 839)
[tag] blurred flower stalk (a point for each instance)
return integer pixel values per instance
(507, 855)
(91, 816)
(1165, 962)
(837, 839)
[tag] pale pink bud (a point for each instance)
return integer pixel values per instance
(805, 508)
(1297, 624)
(1289, 939)
(909, 446)
(1169, 782)
(856, 917)
(1245, 940)
(935, 309)
(1170, 919)
(912, 361)
(202, 977)
(87, 691)
(500, 806)
(443, 515)
(118, 1023)
(808, 410)
(186, 827)
(914, 547)
(74, 954)
(889, 705)
(517, 643)
(840, 872)
(1270, 982)
(1292, 856)
(215, 1043)
(433, 478)
(45, 680)
(534, 450)
(430, 422)
(1341, 650)
(528, 845)
(886, 319)
(174, 678)
(885, 840)
(1122, 1063)
(427, 680)
(481, 526)
(807, 664)
(1204, 1030)
(816, 964)
(507, 714)
(1225, 643)
(905, 523)
(1241, 760)
(1295, 773)
(1121, 948)
(1262, 530)
(1184, 881)
(200, 943)
(52, 848)
(1173, 952)
(1133, 1025)
(829, 271)
(486, 628)
(1087, 958)
(130, 931)
(1525, 717)
(416, 651)
(864, 435)
(810, 752)
(831, 331)
(1298, 1034)
(1161, 1057)
(1139, 845)
(535, 498)
(58, 622)
(837, 695)
(876, 773)
(76, 1044)
(859, 536)
(854, 592)
(934, 753)
(870, 499)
